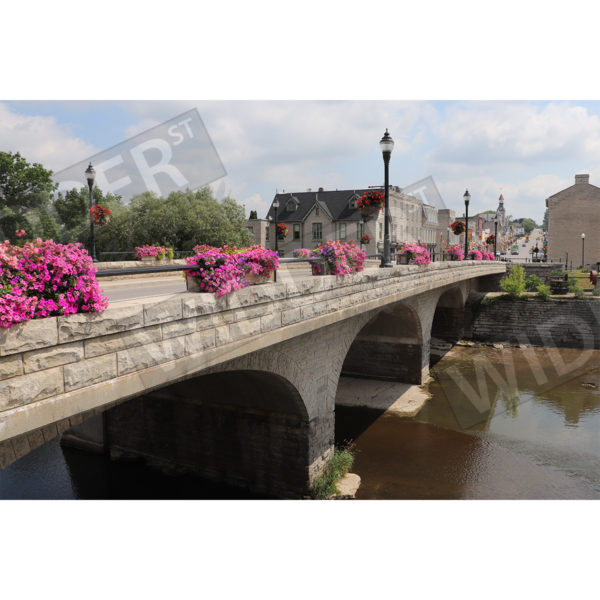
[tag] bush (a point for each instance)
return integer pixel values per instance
(573, 287)
(514, 283)
(578, 292)
(533, 282)
(596, 293)
(543, 292)
(324, 485)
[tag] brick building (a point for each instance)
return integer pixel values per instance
(571, 212)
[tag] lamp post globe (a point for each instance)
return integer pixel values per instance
(90, 175)
(387, 145)
(466, 198)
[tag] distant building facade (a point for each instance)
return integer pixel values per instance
(317, 216)
(571, 212)
(259, 228)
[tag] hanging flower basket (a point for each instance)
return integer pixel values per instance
(458, 227)
(370, 203)
(365, 239)
(490, 239)
(100, 214)
(282, 230)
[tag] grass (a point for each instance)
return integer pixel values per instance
(324, 485)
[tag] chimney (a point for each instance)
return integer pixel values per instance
(583, 178)
(321, 190)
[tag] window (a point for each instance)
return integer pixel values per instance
(267, 232)
(296, 231)
(380, 231)
(342, 231)
(353, 200)
(317, 232)
(359, 230)
(316, 211)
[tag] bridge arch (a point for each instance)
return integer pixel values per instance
(248, 428)
(390, 346)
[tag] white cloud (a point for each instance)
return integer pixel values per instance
(509, 132)
(41, 139)
(522, 198)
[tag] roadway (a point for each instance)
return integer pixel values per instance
(535, 237)
(134, 288)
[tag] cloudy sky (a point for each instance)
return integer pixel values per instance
(525, 150)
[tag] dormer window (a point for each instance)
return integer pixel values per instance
(292, 204)
(353, 199)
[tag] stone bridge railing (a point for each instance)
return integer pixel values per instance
(57, 368)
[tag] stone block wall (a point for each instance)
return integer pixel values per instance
(568, 322)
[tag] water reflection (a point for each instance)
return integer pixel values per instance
(501, 423)
(474, 386)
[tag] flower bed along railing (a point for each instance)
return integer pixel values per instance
(46, 279)
(152, 251)
(225, 270)
(417, 255)
(335, 258)
(455, 252)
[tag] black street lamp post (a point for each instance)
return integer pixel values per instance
(495, 236)
(387, 145)
(583, 249)
(90, 174)
(275, 206)
(466, 198)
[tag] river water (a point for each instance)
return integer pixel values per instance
(501, 423)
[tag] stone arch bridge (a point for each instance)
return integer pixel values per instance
(240, 389)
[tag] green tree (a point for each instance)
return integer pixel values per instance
(24, 188)
(253, 214)
(180, 221)
(50, 229)
(545, 221)
(529, 225)
(72, 208)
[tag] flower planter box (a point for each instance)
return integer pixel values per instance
(253, 279)
(402, 259)
(149, 259)
(193, 286)
(319, 268)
